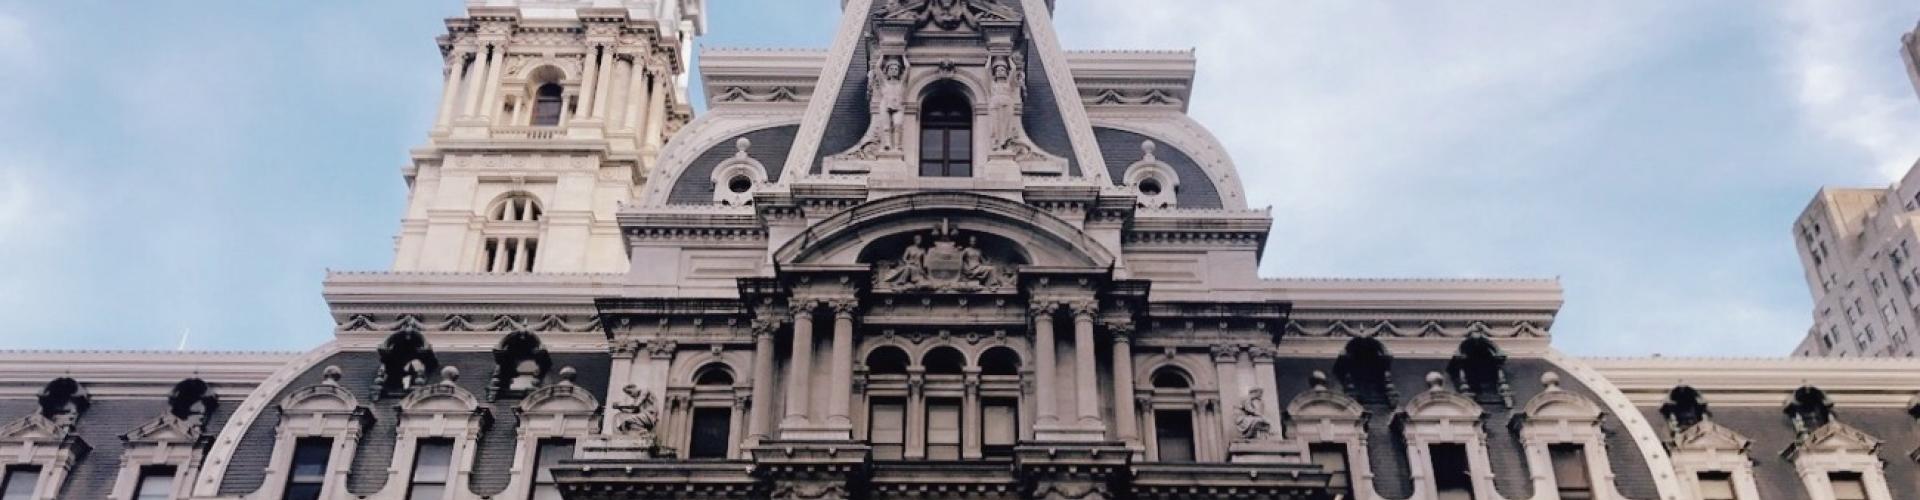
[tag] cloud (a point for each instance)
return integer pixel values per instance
(17, 46)
(1848, 81)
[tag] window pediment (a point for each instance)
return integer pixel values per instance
(445, 397)
(1835, 437)
(563, 397)
(1322, 403)
(1710, 436)
(1559, 404)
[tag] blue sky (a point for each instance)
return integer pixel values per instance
(168, 166)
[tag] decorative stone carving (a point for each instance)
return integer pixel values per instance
(637, 416)
(949, 15)
(947, 265)
(1251, 419)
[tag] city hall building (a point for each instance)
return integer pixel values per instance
(945, 257)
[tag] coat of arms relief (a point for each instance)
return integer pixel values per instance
(943, 260)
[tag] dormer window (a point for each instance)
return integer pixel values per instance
(946, 135)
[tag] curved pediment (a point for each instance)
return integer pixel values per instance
(1021, 233)
(444, 397)
(1560, 404)
(1321, 403)
(320, 398)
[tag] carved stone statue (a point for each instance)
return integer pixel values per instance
(974, 266)
(412, 374)
(637, 415)
(1003, 105)
(890, 111)
(912, 266)
(947, 265)
(1251, 420)
(947, 14)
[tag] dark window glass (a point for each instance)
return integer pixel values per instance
(887, 429)
(1332, 458)
(156, 483)
(1848, 485)
(1717, 486)
(1173, 431)
(946, 135)
(432, 465)
(1570, 471)
(19, 483)
(710, 432)
(546, 105)
(550, 453)
(308, 473)
(1452, 479)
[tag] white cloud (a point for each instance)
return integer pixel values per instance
(1842, 61)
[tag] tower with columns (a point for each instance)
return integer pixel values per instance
(549, 119)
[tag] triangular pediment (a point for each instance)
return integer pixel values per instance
(1837, 437)
(36, 427)
(166, 428)
(1710, 436)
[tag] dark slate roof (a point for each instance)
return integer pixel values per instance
(769, 147)
(1121, 148)
(851, 114)
(1041, 115)
(492, 469)
(101, 427)
(1771, 432)
(1387, 448)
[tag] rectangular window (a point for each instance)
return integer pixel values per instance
(887, 429)
(1452, 478)
(1173, 431)
(1332, 458)
(156, 483)
(432, 466)
(999, 426)
(1717, 486)
(20, 481)
(943, 429)
(308, 473)
(710, 432)
(1570, 471)
(1847, 485)
(548, 455)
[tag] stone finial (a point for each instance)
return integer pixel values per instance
(449, 375)
(1551, 380)
(1436, 381)
(330, 375)
(1318, 379)
(566, 375)
(740, 146)
(1146, 150)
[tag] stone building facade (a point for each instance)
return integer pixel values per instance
(943, 258)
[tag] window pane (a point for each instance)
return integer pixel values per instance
(303, 491)
(1000, 423)
(931, 144)
(1848, 486)
(960, 145)
(428, 492)
(551, 452)
(887, 429)
(156, 483)
(1332, 457)
(1451, 476)
(1173, 431)
(960, 169)
(432, 461)
(20, 483)
(1570, 471)
(709, 438)
(310, 459)
(1716, 486)
(943, 429)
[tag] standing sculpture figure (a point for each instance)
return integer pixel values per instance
(1006, 120)
(1251, 423)
(891, 111)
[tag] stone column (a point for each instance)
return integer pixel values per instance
(656, 112)
(800, 367)
(1123, 411)
(1087, 394)
(762, 408)
(1225, 363)
(841, 380)
(589, 79)
(970, 415)
(1268, 381)
(637, 94)
(603, 82)
(916, 413)
(1043, 363)
(451, 91)
(495, 66)
(624, 353)
(475, 75)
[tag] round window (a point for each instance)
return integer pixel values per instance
(1150, 186)
(739, 184)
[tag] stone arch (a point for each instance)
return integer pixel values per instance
(888, 359)
(714, 374)
(1199, 373)
(687, 161)
(967, 85)
(945, 360)
(1047, 240)
(520, 359)
(1171, 377)
(999, 360)
(686, 371)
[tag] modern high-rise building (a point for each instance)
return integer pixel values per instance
(943, 258)
(1856, 248)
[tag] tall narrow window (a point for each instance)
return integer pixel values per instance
(1332, 458)
(943, 429)
(20, 482)
(546, 105)
(1847, 485)
(710, 432)
(432, 466)
(1570, 471)
(946, 135)
(156, 483)
(1173, 433)
(1717, 486)
(887, 429)
(999, 427)
(308, 473)
(1452, 478)
(548, 455)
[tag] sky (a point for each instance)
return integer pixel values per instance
(185, 176)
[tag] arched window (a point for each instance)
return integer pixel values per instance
(946, 134)
(999, 361)
(512, 235)
(944, 361)
(516, 207)
(546, 105)
(1170, 378)
(887, 361)
(714, 374)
